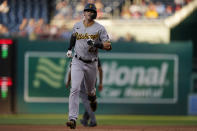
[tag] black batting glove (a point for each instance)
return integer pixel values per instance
(90, 42)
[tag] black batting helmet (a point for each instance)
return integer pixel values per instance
(91, 7)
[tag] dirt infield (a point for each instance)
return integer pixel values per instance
(98, 128)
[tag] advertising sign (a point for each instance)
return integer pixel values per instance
(127, 78)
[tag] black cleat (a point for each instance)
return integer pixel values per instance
(71, 124)
(84, 122)
(92, 124)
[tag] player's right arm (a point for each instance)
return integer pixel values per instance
(72, 44)
(72, 41)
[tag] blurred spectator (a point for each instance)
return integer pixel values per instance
(187, 1)
(39, 27)
(45, 34)
(116, 6)
(30, 28)
(23, 24)
(128, 37)
(4, 30)
(151, 13)
(63, 10)
(177, 8)
(107, 12)
(79, 9)
(168, 11)
(22, 27)
(64, 33)
(99, 6)
(143, 8)
(125, 14)
(4, 7)
(53, 32)
(160, 8)
(179, 2)
(90, 1)
(135, 10)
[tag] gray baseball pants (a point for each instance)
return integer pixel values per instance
(81, 72)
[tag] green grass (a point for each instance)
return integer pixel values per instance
(53, 119)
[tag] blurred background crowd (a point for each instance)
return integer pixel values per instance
(38, 19)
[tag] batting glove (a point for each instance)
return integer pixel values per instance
(90, 42)
(69, 54)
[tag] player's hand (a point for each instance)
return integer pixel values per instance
(69, 54)
(100, 87)
(107, 46)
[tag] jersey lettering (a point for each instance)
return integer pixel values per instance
(86, 36)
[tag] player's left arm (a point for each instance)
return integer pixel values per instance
(104, 37)
(103, 43)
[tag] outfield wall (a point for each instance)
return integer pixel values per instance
(138, 78)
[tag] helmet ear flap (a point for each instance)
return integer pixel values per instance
(94, 16)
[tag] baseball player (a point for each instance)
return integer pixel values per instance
(87, 37)
(88, 114)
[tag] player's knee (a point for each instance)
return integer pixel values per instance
(92, 98)
(75, 90)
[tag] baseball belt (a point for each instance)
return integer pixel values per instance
(85, 61)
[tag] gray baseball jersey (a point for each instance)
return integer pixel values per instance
(96, 32)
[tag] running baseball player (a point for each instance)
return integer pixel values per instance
(89, 118)
(88, 35)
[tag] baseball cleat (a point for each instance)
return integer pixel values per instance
(71, 124)
(92, 124)
(84, 122)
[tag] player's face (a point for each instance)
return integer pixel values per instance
(88, 14)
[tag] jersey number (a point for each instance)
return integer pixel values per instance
(92, 49)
